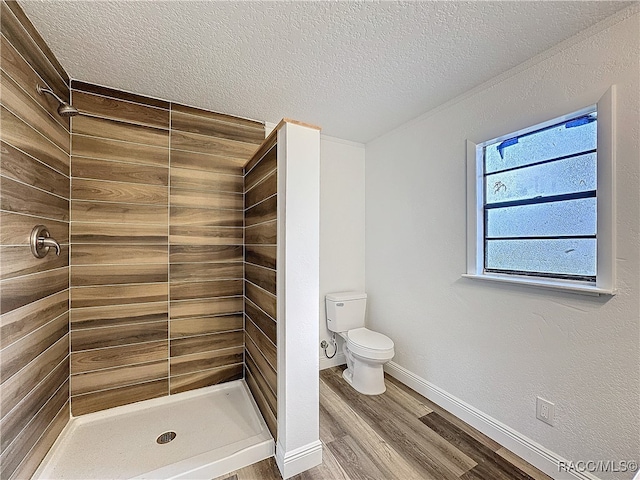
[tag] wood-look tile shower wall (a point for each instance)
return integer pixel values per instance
(34, 298)
(157, 247)
(260, 219)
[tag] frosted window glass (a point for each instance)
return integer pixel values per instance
(540, 200)
(554, 142)
(568, 218)
(577, 174)
(562, 257)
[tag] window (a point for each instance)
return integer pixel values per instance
(540, 206)
(540, 201)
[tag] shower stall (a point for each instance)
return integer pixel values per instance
(159, 269)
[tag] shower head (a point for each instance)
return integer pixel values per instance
(64, 110)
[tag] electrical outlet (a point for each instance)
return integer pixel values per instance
(545, 411)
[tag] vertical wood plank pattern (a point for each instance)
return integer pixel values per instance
(18, 69)
(18, 101)
(18, 418)
(260, 213)
(21, 33)
(22, 321)
(149, 199)
(35, 186)
(120, 109)
(205, 220)
(119, 261)
(33, 459)
(18, 386)
(205, 378)
(156, 226)
(19, 166)
(24, 137)
(96, 401)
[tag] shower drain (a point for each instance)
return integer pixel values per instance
(166, 437)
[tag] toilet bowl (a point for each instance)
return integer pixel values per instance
(366, 351)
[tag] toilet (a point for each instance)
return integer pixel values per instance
(366, 351)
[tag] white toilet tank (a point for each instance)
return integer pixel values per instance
(345, 310)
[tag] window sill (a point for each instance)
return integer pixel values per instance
(567, 286)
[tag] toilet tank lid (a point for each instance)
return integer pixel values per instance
(345, 296)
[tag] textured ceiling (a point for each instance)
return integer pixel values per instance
(356, 69)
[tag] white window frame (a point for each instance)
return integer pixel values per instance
(606, 209)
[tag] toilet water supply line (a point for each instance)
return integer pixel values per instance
(325, 345)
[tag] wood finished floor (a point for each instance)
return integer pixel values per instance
(396, 435)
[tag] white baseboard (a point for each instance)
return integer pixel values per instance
(298, 460)
(524, 447)
(325, 362)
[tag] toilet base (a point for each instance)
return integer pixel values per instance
(369, 379)
(347, 374)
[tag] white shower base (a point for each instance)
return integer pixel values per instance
(219, 429)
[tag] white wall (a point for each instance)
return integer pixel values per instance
(497, 347)
(298, 445)
(342, 230)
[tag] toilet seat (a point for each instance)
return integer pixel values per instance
(369, 344)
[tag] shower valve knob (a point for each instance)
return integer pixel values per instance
(42, 242)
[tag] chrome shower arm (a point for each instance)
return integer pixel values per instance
(64, 109)
(42, 90)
